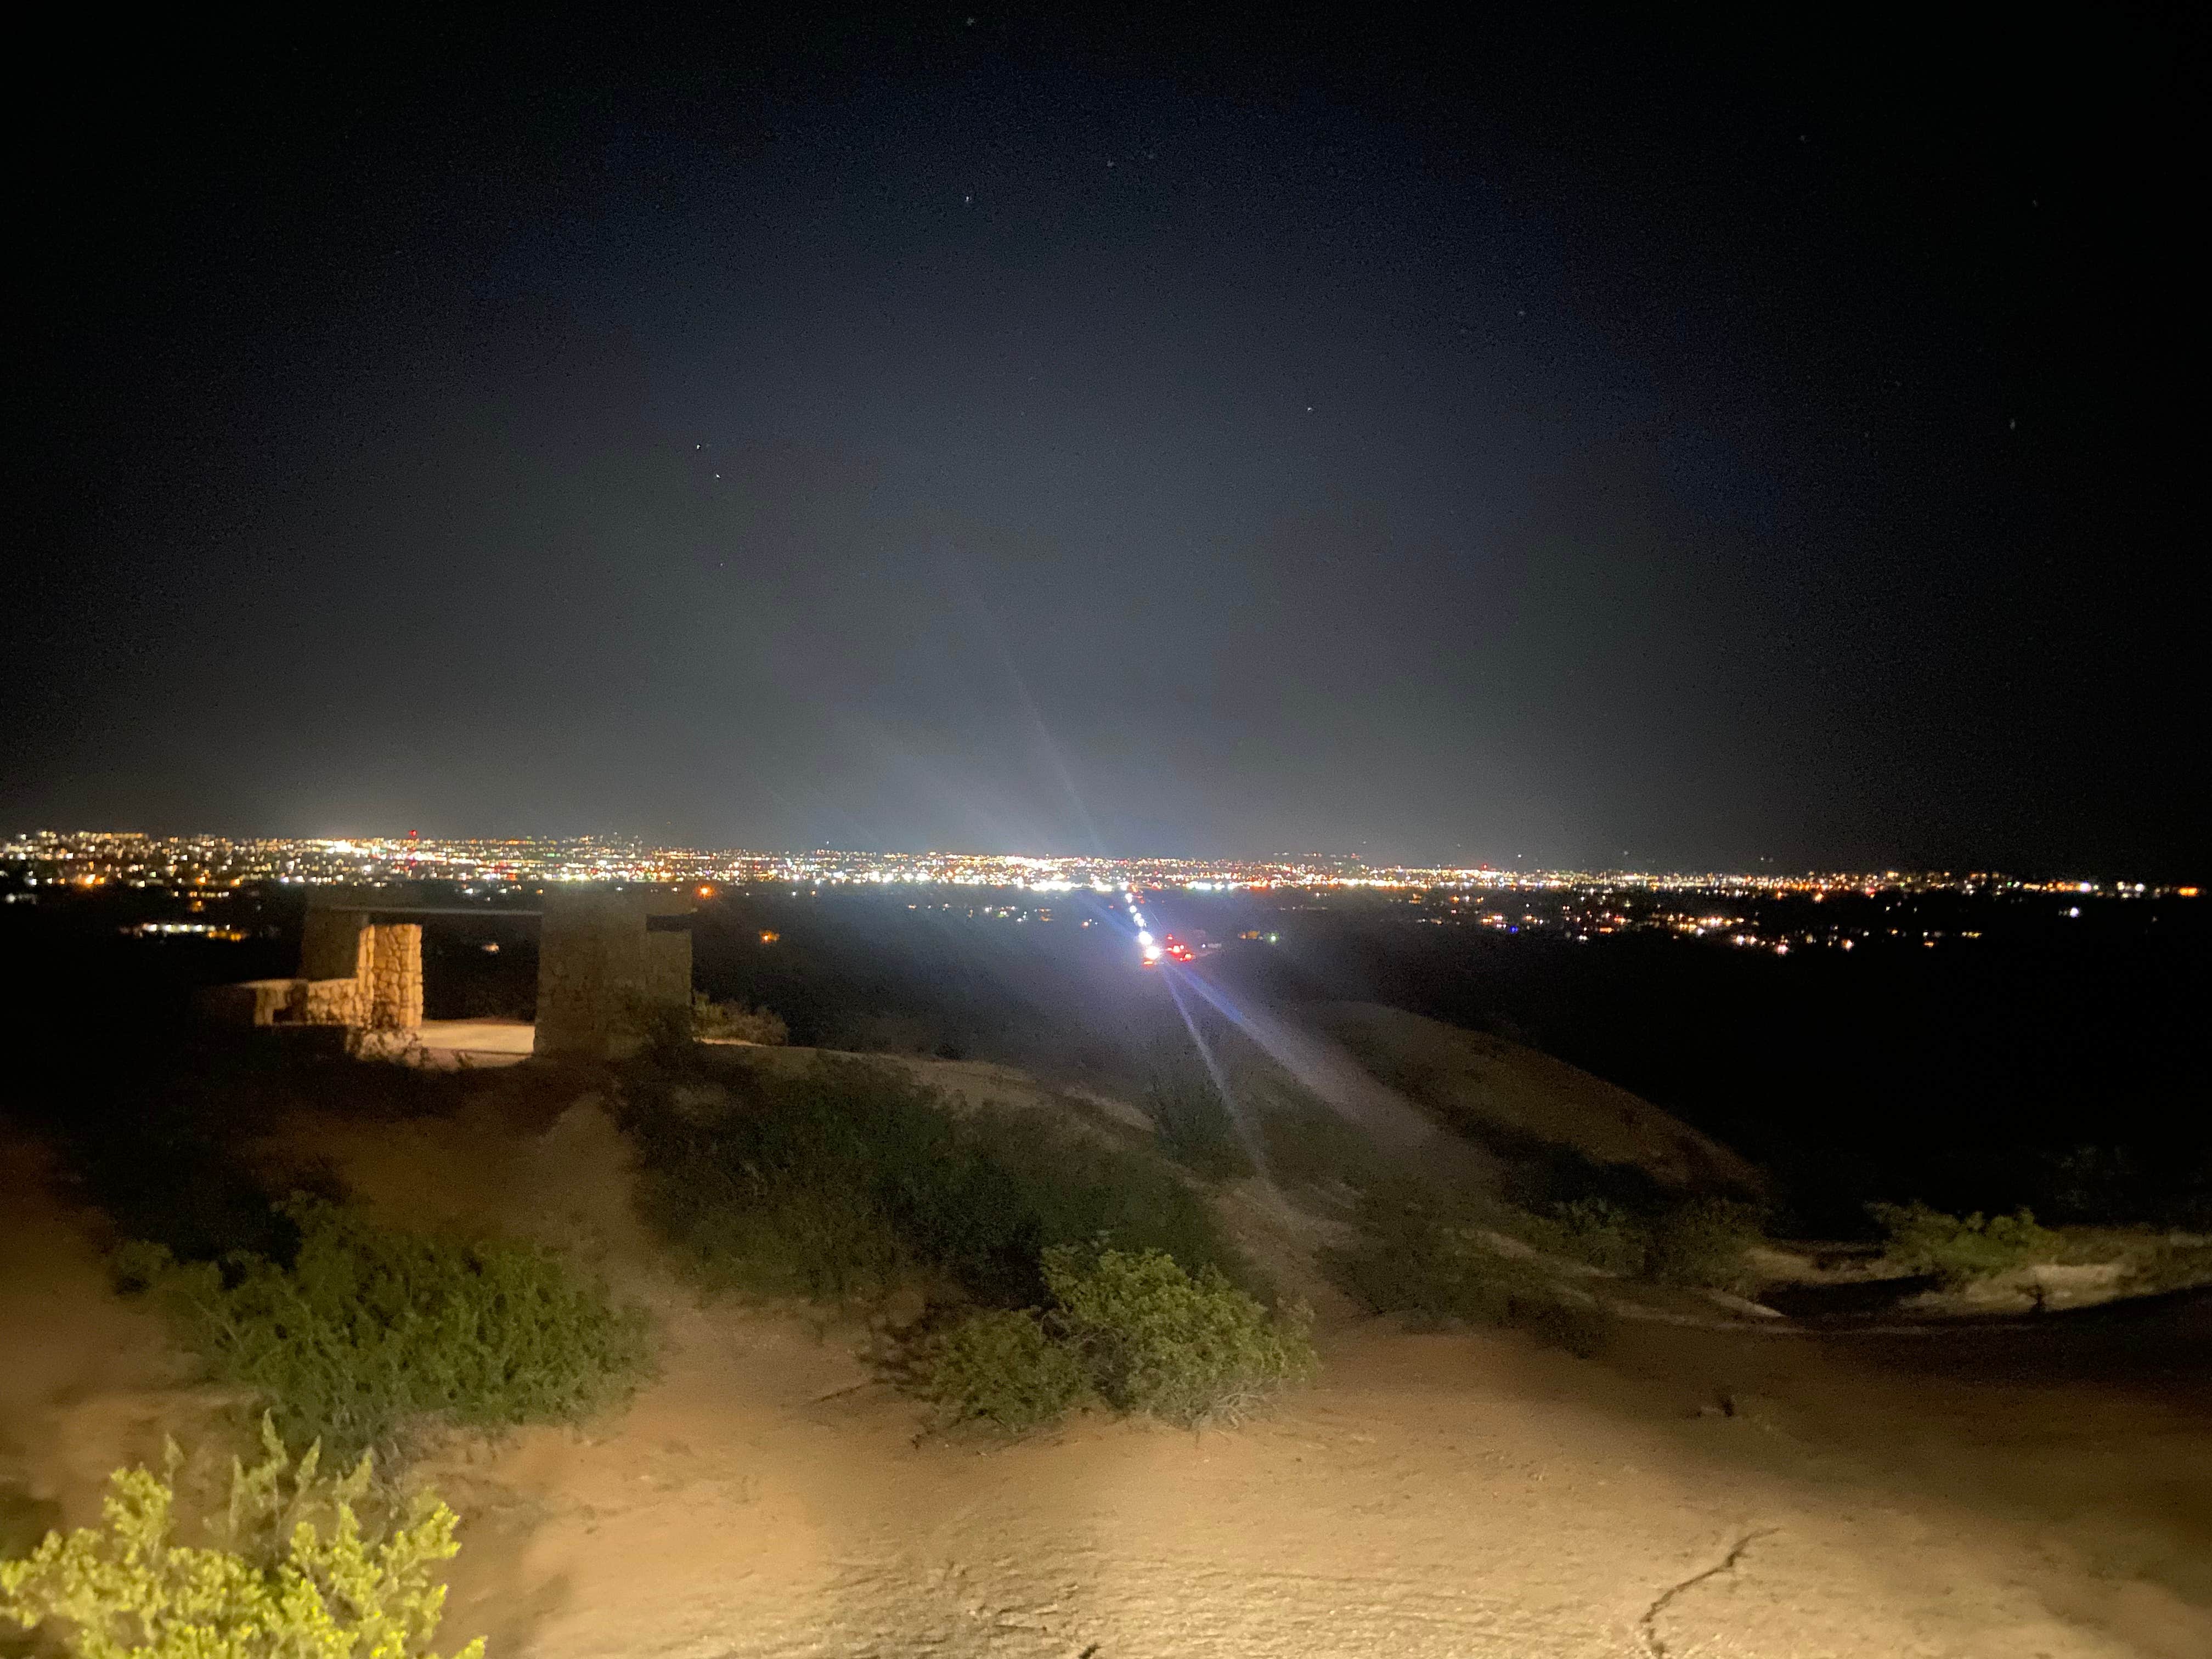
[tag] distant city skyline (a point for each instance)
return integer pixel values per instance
(120, 854)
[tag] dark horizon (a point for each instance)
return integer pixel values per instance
(1589, 443)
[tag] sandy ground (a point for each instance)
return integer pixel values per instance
(448, 1043)
(1687, 1493)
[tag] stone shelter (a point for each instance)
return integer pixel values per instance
(612, 964)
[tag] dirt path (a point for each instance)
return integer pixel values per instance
(1690, 1495)
(1438, 1495)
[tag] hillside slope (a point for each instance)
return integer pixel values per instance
(1518, 1101)
(1433, 1494)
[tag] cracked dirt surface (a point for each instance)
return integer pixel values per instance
(1648, 1627)
(1434, 1496)
(1437, 1496)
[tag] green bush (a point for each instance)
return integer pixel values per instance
(370, 1333)
(1131, 1328)
(842, 1181)
(295, 1573)
(1307, 1143)
(834, 1184)
(1598, 1231)
(2165, 1265)
(735, 1019)
(1705, 1243)
(1001, 1368)
(1195, 1123)
(1420, 1254)
(1436, 1256)
(1076, 1189)
(1960, 1249)
(1187, 1348)
(1700, 1241)
(1432, 1256)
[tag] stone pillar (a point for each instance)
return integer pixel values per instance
(391, 975)
(611, 966)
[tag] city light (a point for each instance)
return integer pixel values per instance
(1720, 906)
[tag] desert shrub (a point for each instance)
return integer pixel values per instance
(2167, 1265)
(795, 1189)
(1130, 1328)
(294, 1571)
(170, 1167)
(1594, 1231)
(1962, 1248)
(370, 1332)
(1705, 1243)
(1699, 1241)
(1441, 1255)
(1420, 1254)
(735, 1019)
(1073, 1189)
(1154, 1339)
(659, 1033)
(842, 1181)
(1307, 1143)
(2166, 1183)
(1437, 1258)
(1001, 1368)
(1194, 1122)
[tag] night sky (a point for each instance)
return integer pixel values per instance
(1576, 440)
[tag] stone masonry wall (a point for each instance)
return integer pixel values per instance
(391, 975)
(606, 974)
(612, 966)
(353, 971)
(324, 1002)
